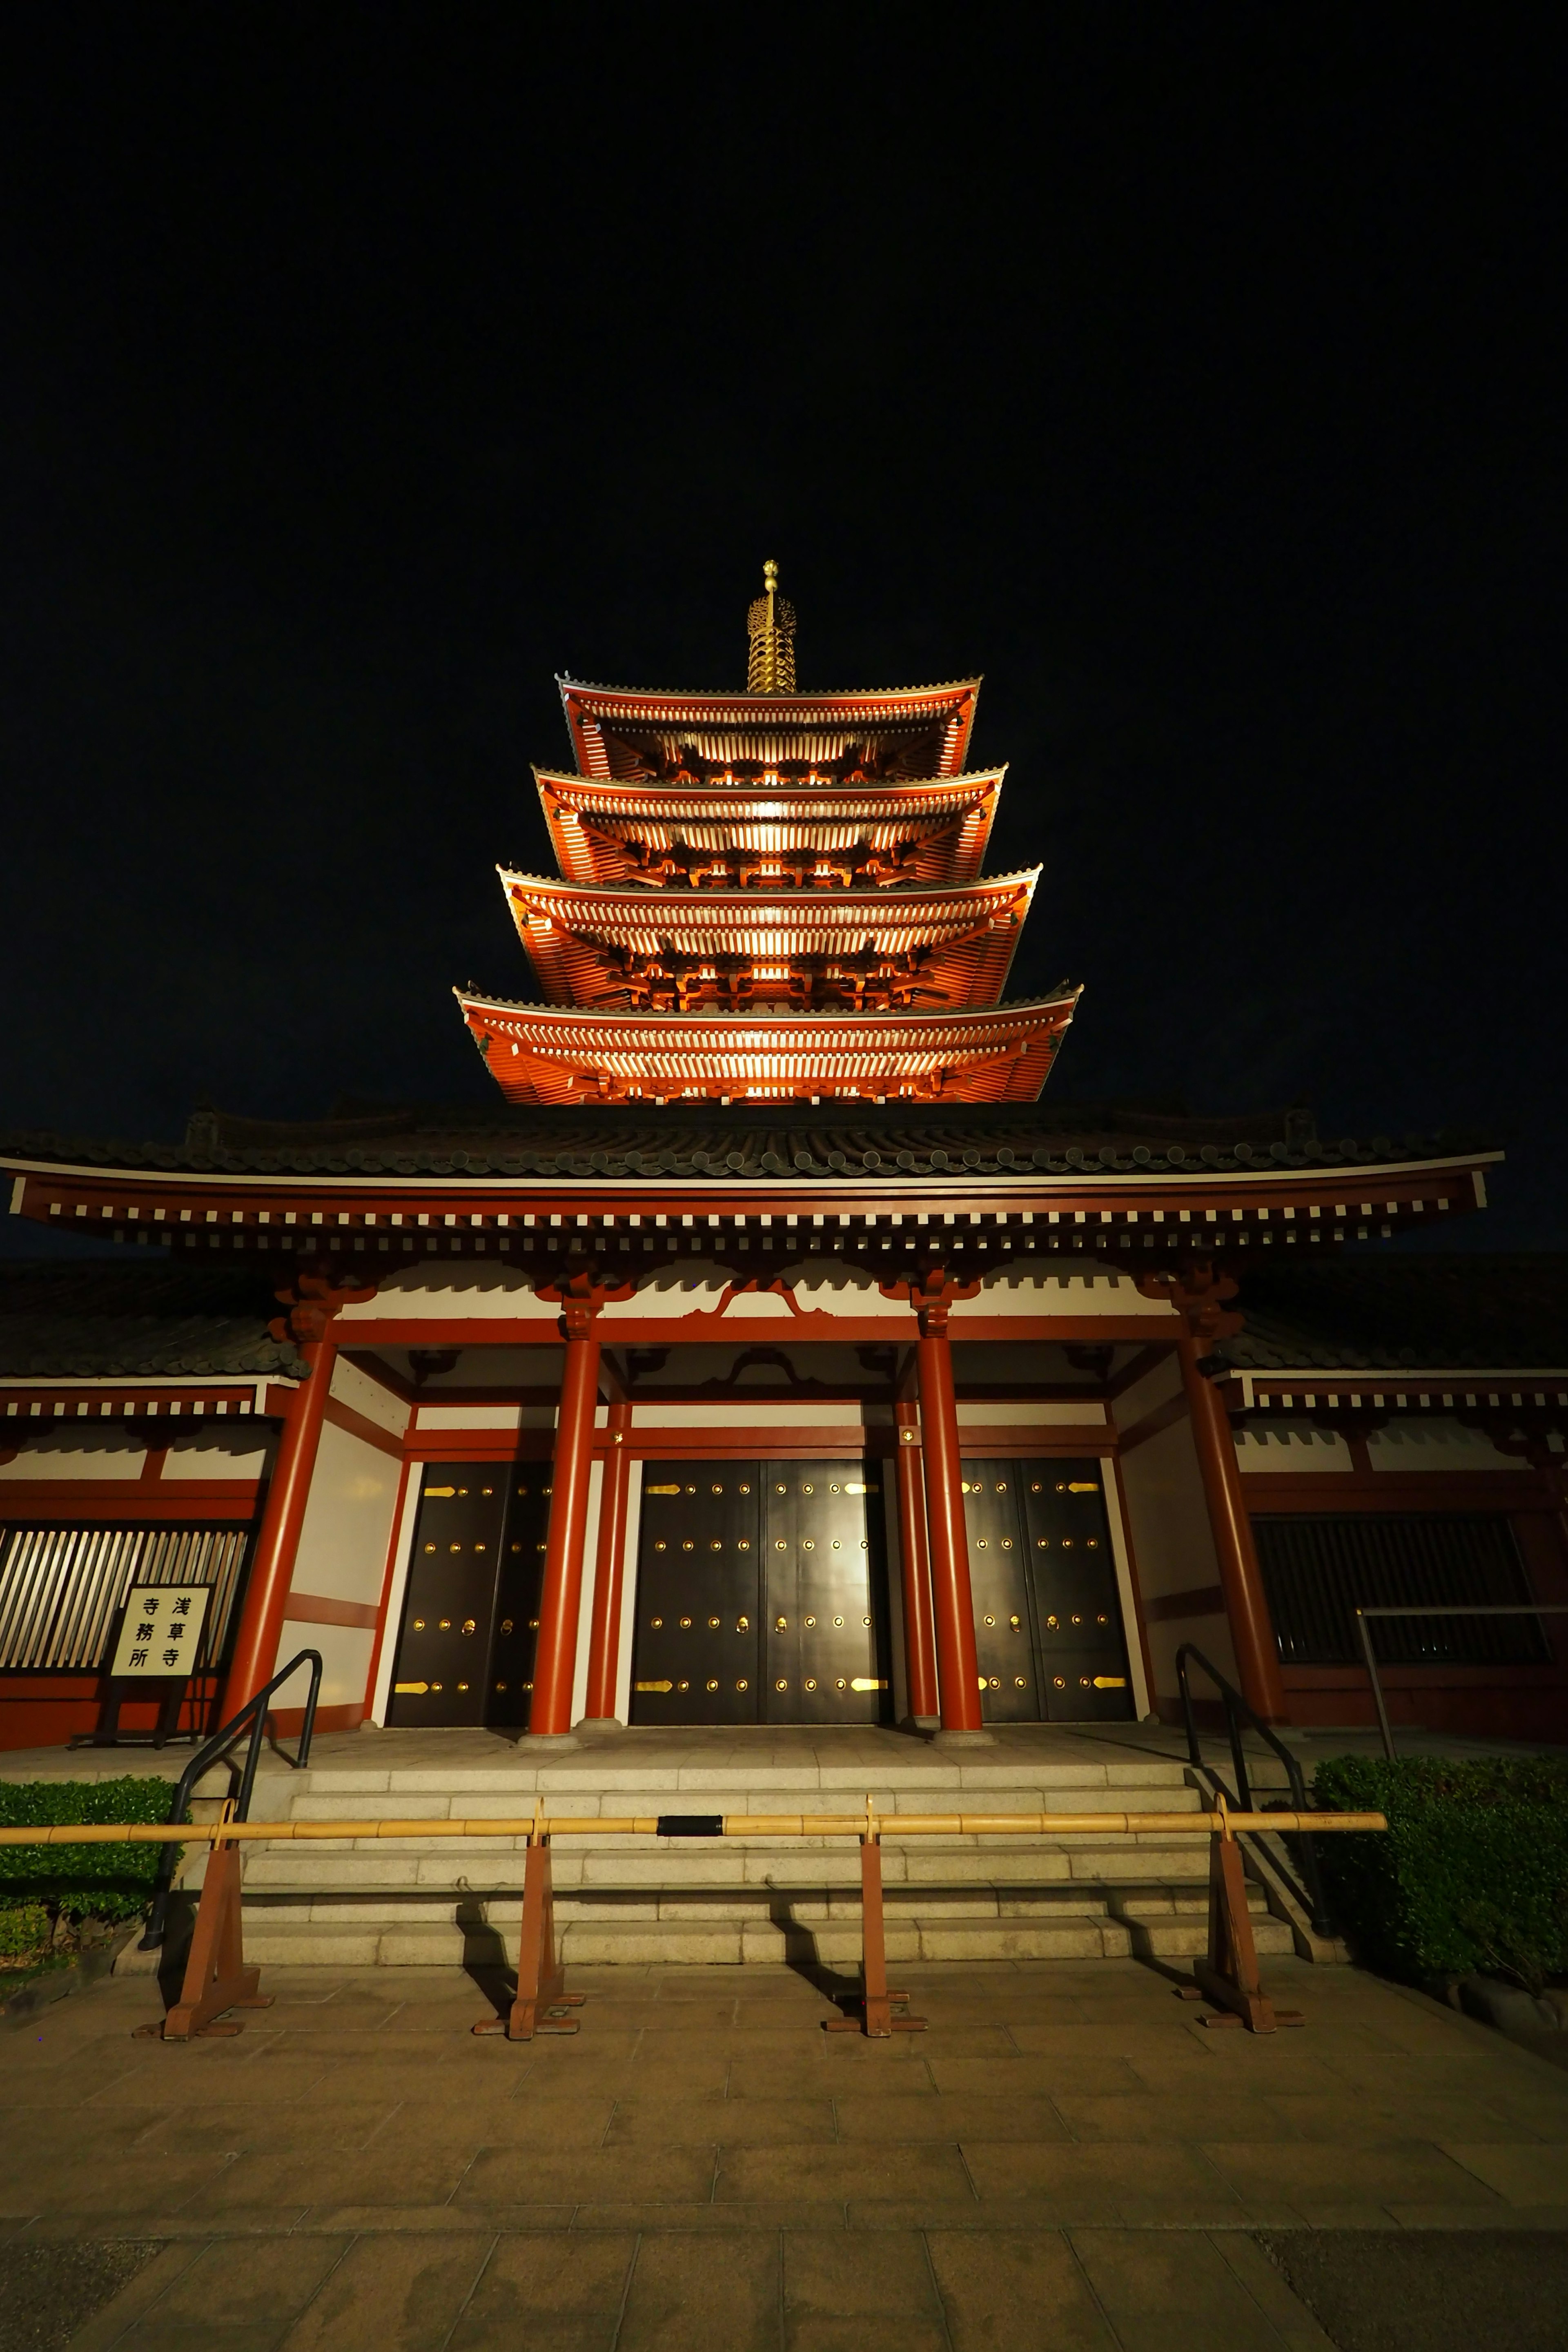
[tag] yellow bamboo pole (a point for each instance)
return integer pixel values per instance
(740, 1826)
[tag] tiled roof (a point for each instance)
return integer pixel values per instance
(101, 1321)
(1406, 1313)
(746, 1141)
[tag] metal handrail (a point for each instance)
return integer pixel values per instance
(254, 1713)
(1236, 1709)
(1489, 1609)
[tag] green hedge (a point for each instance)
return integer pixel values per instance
(1472, 1872)
(82, 1882)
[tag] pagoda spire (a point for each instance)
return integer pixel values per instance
(771, 625)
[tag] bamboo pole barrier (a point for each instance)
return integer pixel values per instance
(740, 1826)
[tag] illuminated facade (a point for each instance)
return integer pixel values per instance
(765, 1351)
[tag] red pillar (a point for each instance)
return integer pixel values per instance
(919, 1638)
(273, 1567)
(1241, 1579)
(555, 1660)
(958, 1668)
(605, 1616)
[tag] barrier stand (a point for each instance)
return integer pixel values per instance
(541, 1975)
(1229, 1976)
(875, 2001)
(216, 1977)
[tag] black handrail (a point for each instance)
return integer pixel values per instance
(254, 1713)
(1236, 1710)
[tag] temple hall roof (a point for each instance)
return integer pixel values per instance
(1406, 1313)
(749, 1141)
(138, 1321)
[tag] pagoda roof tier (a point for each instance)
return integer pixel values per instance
(640, 733)
(857, 951)
(812, 835)
(553, 1053)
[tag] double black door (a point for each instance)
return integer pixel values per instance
(471, 1610)
(1048, 1616)
(760, 1595)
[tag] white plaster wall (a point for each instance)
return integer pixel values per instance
(346, 1662)
(1417, 1447)
(489, 1288)
(402, 1552)
(482, 1416)
(1042, 1286)
(243, 1451)
(748, 1413)
(1291, 1448)
(1157, 1387)
(1143, 1702)
(1024, 1413)
(1169, 1523)
(357, 1389)
(82, 1452)
(348, 1522)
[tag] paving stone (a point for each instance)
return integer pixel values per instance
(1016, 2291)
(1300, 2172)
(951, 2115)
(1532, 2173)
(651, 2173)
(402, 2294)
(865, 2171)
(833, 2273)
(533, 2289)
(241, 2281)
(731, 2122)
(689, 2292)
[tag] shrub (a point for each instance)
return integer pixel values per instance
(1472, 1872)
(26, 1931)
(81, 1882)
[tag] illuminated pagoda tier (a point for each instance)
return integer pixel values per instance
(808, 862)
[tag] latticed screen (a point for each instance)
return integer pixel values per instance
(61, 1588)
(1318, 1571)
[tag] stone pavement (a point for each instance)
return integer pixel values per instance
(1066, 2159)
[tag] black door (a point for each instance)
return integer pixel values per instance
(696, 1654)
(1048, 1616)
(443, 1650)
(517, 1589)
(826, 1639)
(1077, 1609)
(1005, 1636)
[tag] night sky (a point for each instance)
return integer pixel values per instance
(1196, 374)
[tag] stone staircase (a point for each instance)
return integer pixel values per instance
(636, 1900)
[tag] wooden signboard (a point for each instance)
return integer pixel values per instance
(154, 1656)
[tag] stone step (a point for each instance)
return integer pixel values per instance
(490, 1867)
(292, 1803)
(282, 1937)
(593, 1772)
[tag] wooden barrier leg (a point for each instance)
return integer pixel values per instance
(1229, 1976)
(540, 1978)
(216, 1977)
(875, 2002)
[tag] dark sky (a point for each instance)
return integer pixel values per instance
(1197, 373)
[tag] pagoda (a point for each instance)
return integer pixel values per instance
(770, 895)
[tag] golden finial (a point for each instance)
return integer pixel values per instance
(771, 625)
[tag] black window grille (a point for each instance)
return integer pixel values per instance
(61, 1588)
(1318, 1571)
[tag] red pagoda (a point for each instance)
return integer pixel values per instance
(770, 895)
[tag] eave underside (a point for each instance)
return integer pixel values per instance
(856, 951)
(930, 834)
(634, 732)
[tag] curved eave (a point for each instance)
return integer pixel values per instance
(955, 946)
(551, 1054)
(587, 708)
(949, 817)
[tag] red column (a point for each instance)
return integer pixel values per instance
(605, 1616)
(272, 1567)
(555, 1659)
(1241, 1579)
(919, 1638)
(958, 1668)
